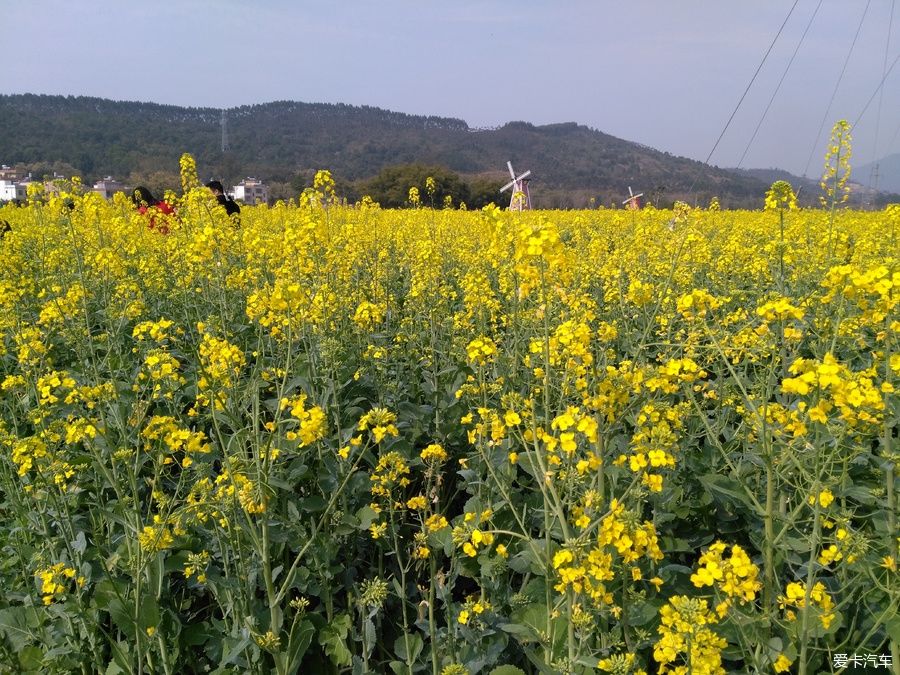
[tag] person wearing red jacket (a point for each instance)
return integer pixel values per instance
(145, 201)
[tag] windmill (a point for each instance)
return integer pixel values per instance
(633, 202)
(521, 197)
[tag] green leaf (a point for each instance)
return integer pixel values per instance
(535, 616)
(236, 647)
(196, 634)
(528, 462)
(675, 569)
(298, 642)
(723, 485)
(507, 670)
(369, 628)
(121, 657)
(366, 517)
(776, 647)
(332, 637)
(518, 630)
(113, 669)
(858, 493)
(79, 544)
(107, 599)
(642, 613)
(13, 624)
(893, 628)
(148, 615)
(313, 504)
(293, 513)
(527, 561)
(31, 658)
(413, 642)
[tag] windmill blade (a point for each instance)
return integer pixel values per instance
(512, 174)
(524, 175)
(509, 185)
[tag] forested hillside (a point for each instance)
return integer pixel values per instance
(285, 141)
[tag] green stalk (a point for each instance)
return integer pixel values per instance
(810, 579)
(769, 543)
(432, 628)
(891, 530)
(889, 486)
(403, 608)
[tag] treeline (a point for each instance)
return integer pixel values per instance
(572, 165)
(389, 188)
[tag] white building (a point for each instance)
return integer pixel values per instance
(108, 187)
(252, 191)
(12, 190)
(9, 173)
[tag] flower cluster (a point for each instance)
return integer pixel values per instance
(856, 395)
(379, 422)
(221, 363)
(56, 580)
(795, 596)
(312, 424)
(480, 350)
(685, 635)
(735, 576)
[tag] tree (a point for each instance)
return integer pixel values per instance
(484, 191)
(390, 187)
(156, 181)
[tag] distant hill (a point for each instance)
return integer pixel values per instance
(808, 188)
(888, 173)
(278, 141)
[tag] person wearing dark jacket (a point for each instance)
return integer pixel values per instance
(231, 206)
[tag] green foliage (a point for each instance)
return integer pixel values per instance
(390, 187)
(571, 163)
(333, 638)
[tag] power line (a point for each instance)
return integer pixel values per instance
(893, 138)
(783, 75)
(877, 89)
(836, 87)
(887, 46)
(752, 80)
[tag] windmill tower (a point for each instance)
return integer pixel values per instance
(521, 197)
(633, 203)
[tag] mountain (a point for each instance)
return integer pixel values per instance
(279, 141)
(888, 173)
(862, 195)
(807, 189)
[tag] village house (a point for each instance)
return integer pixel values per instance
(108, 187)
(11, 190)
(251, 191)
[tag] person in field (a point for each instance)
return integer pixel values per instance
(146, 204)
(231, 206)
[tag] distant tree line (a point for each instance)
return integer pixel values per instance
(372, 151)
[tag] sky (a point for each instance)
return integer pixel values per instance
(661, 73)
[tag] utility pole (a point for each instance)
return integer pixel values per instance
(875, 187)
(224, 125)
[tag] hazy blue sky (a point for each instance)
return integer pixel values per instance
(662, 73)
